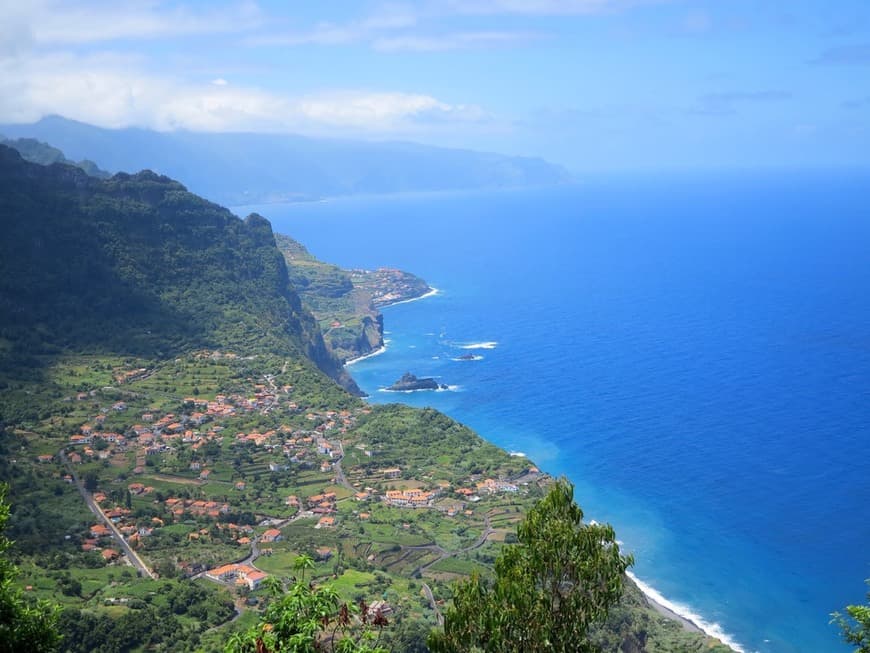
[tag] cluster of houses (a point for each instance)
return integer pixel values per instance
(98, 532)
(196, 507)
(412, 498)
(238, 574)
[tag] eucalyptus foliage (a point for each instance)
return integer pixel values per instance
(856, 626)
(561, 577)
(309, 619)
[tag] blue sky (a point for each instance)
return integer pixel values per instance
(596, 85)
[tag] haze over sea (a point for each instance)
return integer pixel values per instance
(693, 353)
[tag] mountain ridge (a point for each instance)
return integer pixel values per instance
(237, 168)
(137, 265)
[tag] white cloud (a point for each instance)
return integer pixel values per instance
(220, 81)
(109, 90)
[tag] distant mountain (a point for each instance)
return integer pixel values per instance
(136, 265)
(245, 168)
(44, 154)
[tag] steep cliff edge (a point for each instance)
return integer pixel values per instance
(136, 265)
(346, 302)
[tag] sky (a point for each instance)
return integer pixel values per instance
(595, 85)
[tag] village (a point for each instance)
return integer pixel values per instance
(172, 479)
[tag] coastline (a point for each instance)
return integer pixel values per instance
(380, 350)
(377, 352)
(430, 293)
(681, 614)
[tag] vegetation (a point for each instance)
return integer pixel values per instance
(549, 588)
(307, 618)
(855, 627)
(136, 265)
(44, 154)
(24, 626)
(172, 615)
(155, 359)
(346, 302)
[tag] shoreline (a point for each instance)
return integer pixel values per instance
(380, 350)
(681, 614)
(377, 352)
(430, 293)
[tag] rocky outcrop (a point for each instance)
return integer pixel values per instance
(409, 383)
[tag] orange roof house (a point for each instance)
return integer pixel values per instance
(271, 535)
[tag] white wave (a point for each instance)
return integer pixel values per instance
(376, 352)
(476, 357)
(431, 293)
(491, 344)
(711, 629)
(450, 388)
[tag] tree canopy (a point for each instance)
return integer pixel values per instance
(24, 626)
(549, 588)
(856, 627)
(307, 619)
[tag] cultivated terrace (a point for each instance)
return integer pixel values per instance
(222, 469)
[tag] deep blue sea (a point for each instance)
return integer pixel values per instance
(692, 352)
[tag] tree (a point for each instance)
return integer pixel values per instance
(24, 626)
(309, 619)
(549, 588)
(856, 628)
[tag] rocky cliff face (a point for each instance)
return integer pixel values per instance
(136, 265)
(346, 302)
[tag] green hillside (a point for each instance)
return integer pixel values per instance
(136, 265)
(170, 442)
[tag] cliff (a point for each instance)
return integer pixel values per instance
(137, 265)
(346, 302)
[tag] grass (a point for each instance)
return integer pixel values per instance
(457, 566)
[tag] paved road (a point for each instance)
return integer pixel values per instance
(431, 598)
(132, 556)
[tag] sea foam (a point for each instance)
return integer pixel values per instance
(711, 629)
(491, 344)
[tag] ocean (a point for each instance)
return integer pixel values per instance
(692, 352)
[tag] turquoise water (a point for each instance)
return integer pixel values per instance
(694, 354)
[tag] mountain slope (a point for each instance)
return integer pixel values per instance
(137, 265)
(44, 154)
(241, 168)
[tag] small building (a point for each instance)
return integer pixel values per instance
(271, 535)
(109, 554)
